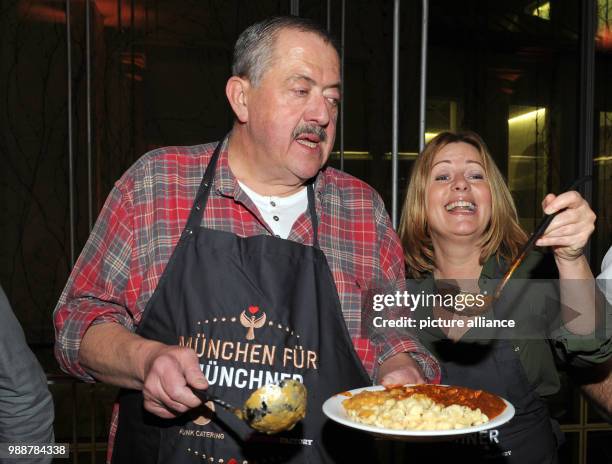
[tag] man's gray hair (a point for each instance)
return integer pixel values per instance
(254, 48)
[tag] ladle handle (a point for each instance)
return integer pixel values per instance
(539, 231)
(205, 396)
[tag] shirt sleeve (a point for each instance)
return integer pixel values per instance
(543, 299)
(581, 350)
(26, 406)
(98, 289)
(585, 350)
(604, 280)
(390, 342)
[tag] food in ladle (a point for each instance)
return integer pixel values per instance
(270, 409)
(276, 407)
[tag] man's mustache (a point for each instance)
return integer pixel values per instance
(310, 129)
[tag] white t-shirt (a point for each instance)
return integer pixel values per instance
(279, 212)
(605, 278)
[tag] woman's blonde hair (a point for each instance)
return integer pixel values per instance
(503, 236)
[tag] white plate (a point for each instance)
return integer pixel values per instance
(335, 411)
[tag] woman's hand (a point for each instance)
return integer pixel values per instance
(567, 235)
(400, 369)
(570, 230)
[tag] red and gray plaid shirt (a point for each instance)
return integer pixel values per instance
(143, 218)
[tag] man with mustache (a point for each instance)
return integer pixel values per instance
(194, 241)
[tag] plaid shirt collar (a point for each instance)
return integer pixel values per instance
(226, 184)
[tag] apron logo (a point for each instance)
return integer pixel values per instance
(252, 322)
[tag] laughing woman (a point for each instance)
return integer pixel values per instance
(459, 223)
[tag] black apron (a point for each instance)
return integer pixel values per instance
(494, 366)
(255, 310)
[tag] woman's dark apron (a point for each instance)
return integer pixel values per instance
(256, 310)
(494, 366)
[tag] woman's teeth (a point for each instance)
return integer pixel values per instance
(461, 204)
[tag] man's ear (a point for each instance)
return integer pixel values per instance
(237, 90)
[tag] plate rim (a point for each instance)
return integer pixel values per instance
(335, 401)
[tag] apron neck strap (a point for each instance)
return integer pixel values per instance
(199, 204)
(313, 215)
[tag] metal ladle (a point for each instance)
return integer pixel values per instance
(273, 408)
(539, 231)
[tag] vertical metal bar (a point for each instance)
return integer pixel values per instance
(587, 90)
(146, 17)
(423, 89)
(88, 110)
(395, 113)
(157, 19)
(295, 7)
(328, 15)
(70, 135)
(583, 432)
(92, 397)
(119, 23)
(453, 115)
(75, 438)
(342, 31)
(133, 80)
(536, 152)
